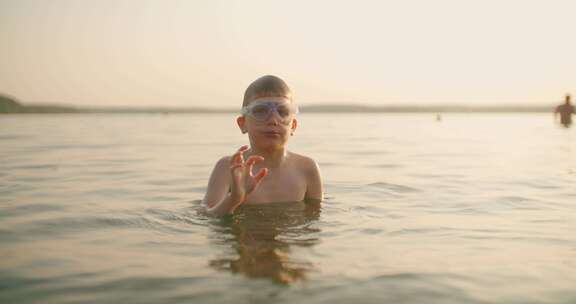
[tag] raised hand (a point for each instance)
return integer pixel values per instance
(243, 180)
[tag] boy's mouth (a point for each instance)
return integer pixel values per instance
(272, 133)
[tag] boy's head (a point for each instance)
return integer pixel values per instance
(266, 86)
(268, 112)
(567, 100)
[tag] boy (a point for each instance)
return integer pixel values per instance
(269, 118)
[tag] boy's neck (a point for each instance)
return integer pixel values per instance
(272, 158)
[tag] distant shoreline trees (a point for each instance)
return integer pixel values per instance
(11, 105)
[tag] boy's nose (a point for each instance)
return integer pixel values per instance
(274, 118)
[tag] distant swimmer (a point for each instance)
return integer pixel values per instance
(566, 110)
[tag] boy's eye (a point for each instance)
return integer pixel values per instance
(283, 110)
(260, 110)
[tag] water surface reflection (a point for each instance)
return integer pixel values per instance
(260, 241)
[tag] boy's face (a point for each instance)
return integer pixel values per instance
(269, 121)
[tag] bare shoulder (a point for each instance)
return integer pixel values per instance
(221, 167)
(223, 161)
(304, 162)
(310, 170)
(219, 182)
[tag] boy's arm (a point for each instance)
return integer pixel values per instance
(216, 200)
(314, 189)
(225, 206)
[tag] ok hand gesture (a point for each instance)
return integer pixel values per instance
(243, 180)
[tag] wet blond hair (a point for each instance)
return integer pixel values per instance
(267, 86)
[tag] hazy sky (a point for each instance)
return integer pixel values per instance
(205, 53)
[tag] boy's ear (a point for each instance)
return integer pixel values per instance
(241, 121)
(293, 126)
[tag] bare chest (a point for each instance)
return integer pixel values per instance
(279, 186)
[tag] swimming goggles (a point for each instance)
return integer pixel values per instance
(262, 110)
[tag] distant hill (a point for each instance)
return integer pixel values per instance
(10, 104)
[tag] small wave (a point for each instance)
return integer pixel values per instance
(187, 216)
(166, 181)
(60, 289)
(47, 148)
(519, 203)
(15, 136)
(329, 164)
(73, 225)
(366, 152)
(34, 167)
(393, 187)
(540, 184)
(385, 166)
(409, 287)
(31, 208)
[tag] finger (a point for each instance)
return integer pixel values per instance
(241, 151)
(234, 159)
(251, 161)
(261, 174)
(243, 148)
(238, 158)
(235, 166)
(254, 159)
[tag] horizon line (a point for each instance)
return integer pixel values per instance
(15, 106)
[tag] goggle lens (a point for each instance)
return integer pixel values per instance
(262, 111)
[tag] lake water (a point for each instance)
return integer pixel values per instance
(476, 208)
